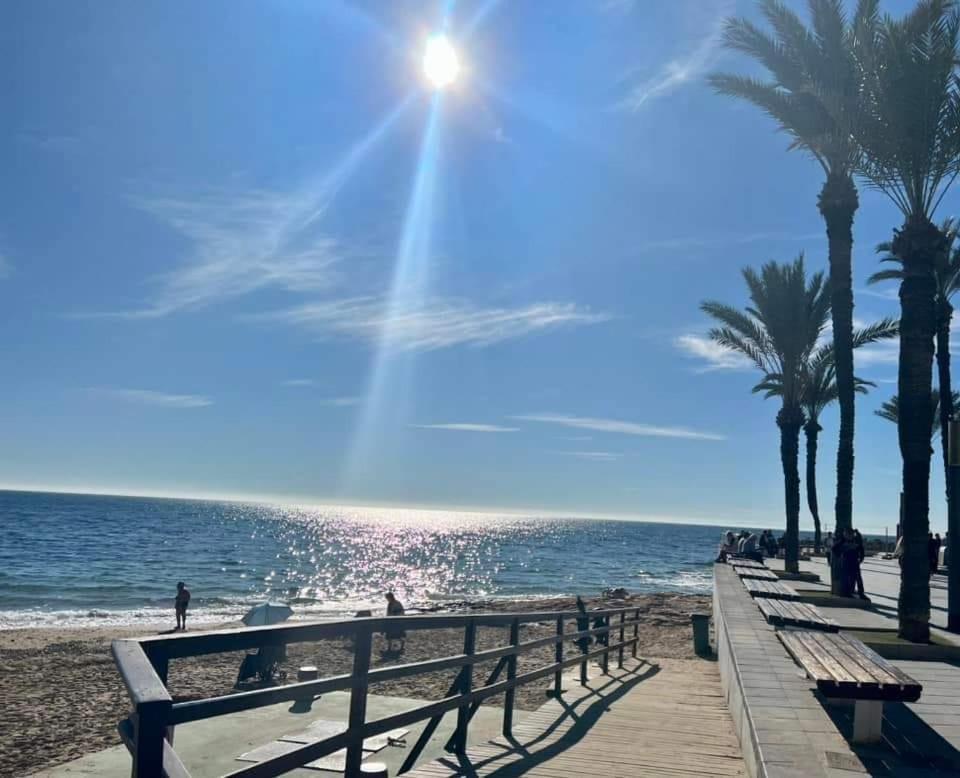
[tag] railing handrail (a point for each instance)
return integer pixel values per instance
(143, 665)
(210, 641)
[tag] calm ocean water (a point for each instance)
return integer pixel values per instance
(76, 559)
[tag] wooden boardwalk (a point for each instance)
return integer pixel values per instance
(664, 718)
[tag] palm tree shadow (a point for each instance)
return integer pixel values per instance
(584, 713)
(909, 744)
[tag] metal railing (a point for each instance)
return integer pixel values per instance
(143, 664)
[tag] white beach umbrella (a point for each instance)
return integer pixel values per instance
(267, 613)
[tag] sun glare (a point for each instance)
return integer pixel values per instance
(440, 63)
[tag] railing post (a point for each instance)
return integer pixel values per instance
(466, 686)
(511, 675)
(623, 616)
(636, 631)
(558, 656)
(362, 646)
(150, 729)
(606, 644)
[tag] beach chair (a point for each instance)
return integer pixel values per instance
(263, 665)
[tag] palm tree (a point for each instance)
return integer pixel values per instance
(813, 94)
(890, 410)
(946, 272)
(819, 390)
(778, 332)
(910, 138)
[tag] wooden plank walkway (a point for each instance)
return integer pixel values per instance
(664, 718)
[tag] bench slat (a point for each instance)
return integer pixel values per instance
(775, 589)
(807, 661)
(841, 675)
(843, 666)
(756, 573)
(860, 674)
(870, 655)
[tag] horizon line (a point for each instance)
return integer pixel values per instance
(314, 502)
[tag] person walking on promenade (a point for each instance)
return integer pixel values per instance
(933, 550)
(861, 555)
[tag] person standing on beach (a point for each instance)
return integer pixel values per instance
(583, 624)
(180, 605)
(395, 608)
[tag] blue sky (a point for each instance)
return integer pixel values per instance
(245, 250)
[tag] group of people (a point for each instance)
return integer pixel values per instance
(748, 544)
(848, 550)
(934, 544)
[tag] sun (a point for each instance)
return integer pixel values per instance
(441, 66)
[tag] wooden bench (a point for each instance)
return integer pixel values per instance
(844, 668)
(756, 573)
(742, 561)
(783, 613)
(776, 590)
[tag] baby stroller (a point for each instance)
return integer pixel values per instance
(264, 666)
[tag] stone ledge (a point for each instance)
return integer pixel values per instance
(782, 726)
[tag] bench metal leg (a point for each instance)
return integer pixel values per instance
(867, 721)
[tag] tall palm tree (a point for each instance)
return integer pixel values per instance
(910, 138)
(818, 391)
(946, 271)
(778, 332)
(813, 94)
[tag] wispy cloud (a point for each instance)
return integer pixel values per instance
(152, 397)
(618, 426)
(465, 427)
(341, 402)
(240, 243)
(711, 354)
(595, 456)
(886, 352)
(618, 6)
(691, 242)
(678, 71)
(439, 323)
(890, 293)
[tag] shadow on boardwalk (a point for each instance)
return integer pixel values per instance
(910, 746)
(646, 719)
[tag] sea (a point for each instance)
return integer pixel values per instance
(73, 560)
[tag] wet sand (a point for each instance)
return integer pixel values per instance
(62, 696)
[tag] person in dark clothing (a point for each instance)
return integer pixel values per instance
(583, 623)
(861, 554)
(846, 552)
(933, 549)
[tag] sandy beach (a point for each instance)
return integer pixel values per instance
(62, 696)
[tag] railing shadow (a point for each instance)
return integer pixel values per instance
(584, 712)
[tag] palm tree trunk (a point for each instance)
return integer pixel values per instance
(790, 420)
(918, 243)
(944, 316)
(838, 203)
(812, 430)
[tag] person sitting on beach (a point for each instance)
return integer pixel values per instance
(395, 633)
(749, 548)
(583, 624)
(180, 605)
(728, 545)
